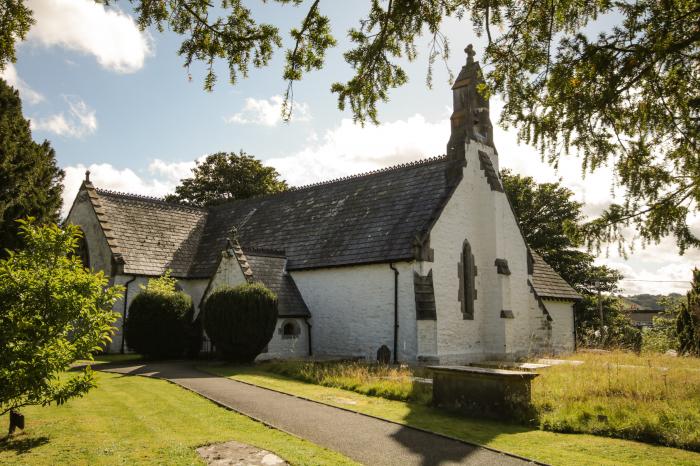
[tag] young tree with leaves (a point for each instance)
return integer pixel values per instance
(226, 176)
(53, 311)
(30, 181)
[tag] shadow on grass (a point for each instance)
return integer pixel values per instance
(21, 443)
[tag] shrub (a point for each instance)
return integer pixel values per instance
(240, 321)
(158, 323)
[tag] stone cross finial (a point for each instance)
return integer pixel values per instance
(87, 176)
(469, 50)
(233, 234)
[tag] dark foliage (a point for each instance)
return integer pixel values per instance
(616, 330)
(158, 324)
(240, 321)
(227, 176)
(549, 218)
(688, 319)
(30, 181)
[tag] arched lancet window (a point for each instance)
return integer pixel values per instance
(290, 329)
(82, 250)
(467, 285)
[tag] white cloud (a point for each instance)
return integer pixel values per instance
(78, 122)
(86, 26)
(160, 179)
(267, 112)
(27, 94)
(350, 148)
(106, 176)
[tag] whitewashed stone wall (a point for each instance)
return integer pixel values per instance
(352, 310)
(484, 218)
(283, 347)
(229, 273)
(83, 215)
(562, 334)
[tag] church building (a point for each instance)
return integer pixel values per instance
(425, 258)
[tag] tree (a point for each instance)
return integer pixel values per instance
(550, 219)
(688, 319)
(628, 96)
(30, 181)
(53, 311)
(227, 176)
(615, 330)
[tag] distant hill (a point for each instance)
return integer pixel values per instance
(651, 301)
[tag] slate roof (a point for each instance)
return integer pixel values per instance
(153, 235)
(269, 268)
(370, 218)
(548, 284)
(363, 219)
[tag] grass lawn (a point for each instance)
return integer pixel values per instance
(548, 447)
(136, 420)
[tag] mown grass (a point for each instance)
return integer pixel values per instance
(135, 420)
(652, 398)
(548, 447)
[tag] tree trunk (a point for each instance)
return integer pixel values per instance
(16, 421)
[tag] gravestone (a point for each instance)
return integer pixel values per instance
(384, 355)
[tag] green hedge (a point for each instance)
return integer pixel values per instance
(158, 324)
(240, 321)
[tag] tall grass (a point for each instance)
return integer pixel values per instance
(391, 382)
(652, 398)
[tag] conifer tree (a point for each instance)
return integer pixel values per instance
(688, 320)
(30, 181)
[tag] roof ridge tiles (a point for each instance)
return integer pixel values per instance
(252, 250)
(399, 166)
(143, 197)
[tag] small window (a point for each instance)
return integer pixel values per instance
(290, 329)
(82, 250)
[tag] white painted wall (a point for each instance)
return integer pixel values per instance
(352, 310)
(484, 218)
(281, 347)
(562, 313)
(83, 215)
(229, 273)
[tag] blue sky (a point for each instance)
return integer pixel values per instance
(118, 101)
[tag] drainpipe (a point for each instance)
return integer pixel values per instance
(396, 312)
(308, 326)
(126, 302)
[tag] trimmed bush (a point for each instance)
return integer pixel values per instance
(158, 323)
(240, 321)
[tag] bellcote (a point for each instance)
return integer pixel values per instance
(470, 118)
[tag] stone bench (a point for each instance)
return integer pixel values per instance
(480, 391)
